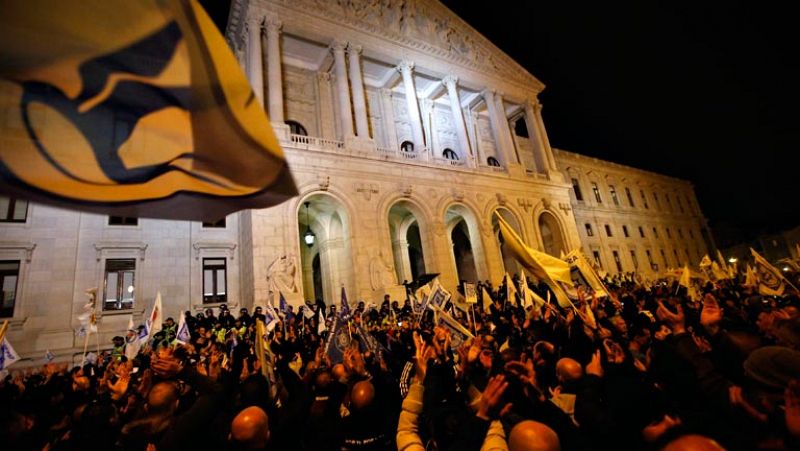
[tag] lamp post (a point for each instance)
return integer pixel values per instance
(309, 236)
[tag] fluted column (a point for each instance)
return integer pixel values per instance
(402, 262)
(272, 27)
(388, 119)
(357, 85)
(509, 149)
(539, 157)
(494, 121)
(406, 69)
(343, 91)
(548, 151)
(255, 65)
(450, 82)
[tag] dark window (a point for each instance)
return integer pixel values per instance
(616, 260)
(655, 198)
(677, 259)
(691, 234)
(608, 230)
(407, 146)
(669, 234)
(666, 198)
(630, 198)
(644, 200)
(680, 204)
(521, 128)
(596, 193)
(449, 154)
(577, 188)
(596, 255)
(634, 260)
(119, 284)
(614, 195)
(9, 275)
(296, 128)
(680, 233)
(589, 231)
(122, 221)
(218, 224)
(13, 210)
(641, 232)
(215, 280)
(492, 161)
(625, 231)
(650, 259)
(664, 257)
(655, 232)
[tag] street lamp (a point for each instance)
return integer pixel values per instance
(785, 269)
(732, 260)
(309, 236)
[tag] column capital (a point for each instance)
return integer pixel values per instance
(386, 92)
(450, 81)
(354, 49)
(488, 93)
(255, 22)
(338, 45)
(324, 76)
(405, 66)
(272, 24)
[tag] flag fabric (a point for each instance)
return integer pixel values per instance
(308, 313)
(133, 109)
(582, 272)
(439, 296)
(49, 356)
(339, 339)
(487, 299)
(705, 262)
(271, 318)
(750, 279)
(524, 291)
(156, 317)
(344, 310)
(183, 335)
(546, 268)
(458, 333)
(470, 294)
(88, 318)
(685, 279)
(770, 280)
(321, 326)
(718, 272)
(283, 308)
(722, 263)
(130, 323)
(511, 290)
(8, 356)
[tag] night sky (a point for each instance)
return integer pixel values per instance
(706, 92)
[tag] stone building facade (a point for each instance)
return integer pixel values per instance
(405, 129)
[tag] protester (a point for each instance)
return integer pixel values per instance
(642, 368)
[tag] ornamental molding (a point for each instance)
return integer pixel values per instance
(422, 25)
(24, 248)
(105, 247)
(226, 246)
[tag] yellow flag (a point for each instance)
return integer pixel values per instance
(770, 279)
(685, 279)
(544, 267)
(134, 108)
(260, 351)
(705, 262)
(583, 270)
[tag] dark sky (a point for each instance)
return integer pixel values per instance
(704, 91)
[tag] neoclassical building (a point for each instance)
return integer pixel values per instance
(405, 130)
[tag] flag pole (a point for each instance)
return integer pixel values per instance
(85, 345)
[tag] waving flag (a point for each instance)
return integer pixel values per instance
(344, 310)
(135, 108)
(487, 299)
(156, 317)
(770, 279)
(8, 356)
(282, 307)
(183, 335)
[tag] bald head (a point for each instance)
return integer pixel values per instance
(568, 370)
(693, 442)
(339, 372)
(362, 394)
(251, 428)
(531, 435)
(163, 397)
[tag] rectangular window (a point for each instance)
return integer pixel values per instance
(644, 200)
(650, 260)
(589, 231)
(669, 234)
(625, 231)
(608, 231)
(691, 234)
(9, 275)
(616, 260)
(641, 232)
(630, 198)
(664, 257)
(596, 193)
(122, 221)
(680, 204)
(13, 210)
(655, 232)
(119, 284)
(614, 195)
(669, 205)
(634, 260)
(219, 224)
(596, 255)
(577, 188)
(680, 233)
(677, 258)
(215, 280)
(655, 198)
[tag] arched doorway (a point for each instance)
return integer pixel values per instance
(407, 241)
(510, 264)
(467, 251)
(327, 263)
(552, 239)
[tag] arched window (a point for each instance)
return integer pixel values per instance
(407, 146)
(492, 161)
(450, 154)
(296, 128)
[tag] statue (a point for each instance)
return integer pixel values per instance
(282, 275)
(381, 274)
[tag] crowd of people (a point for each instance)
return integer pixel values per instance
(642, 368)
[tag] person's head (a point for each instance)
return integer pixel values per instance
(118, 341)
(362, 394)
(619, 324)
(169, 322)
(339, 372)
(163, 398)
(568, 371)
(531, 435)
(257, 310)
(250, 428)
(692, 442)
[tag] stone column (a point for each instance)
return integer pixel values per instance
(274, 82)
(497, 131)
(406, 69)
(255, 65)
(450, 83)
(357, 85)
(325, 106)
(540, 130)
(343, 91)
(402, 263)
(539, 157)
(509, 149)
(388, 119)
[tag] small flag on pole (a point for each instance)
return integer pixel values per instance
(8, 356)
(156, 317)
(183, 335)
(49, 356)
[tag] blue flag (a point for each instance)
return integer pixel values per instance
(282, 308)
(339, 339)
(345, 309)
